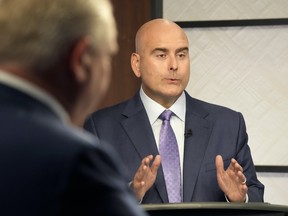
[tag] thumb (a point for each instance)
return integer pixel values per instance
(156, 164)
(219, 164)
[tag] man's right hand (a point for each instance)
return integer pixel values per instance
(145, 176)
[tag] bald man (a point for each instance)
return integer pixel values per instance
(215, 159)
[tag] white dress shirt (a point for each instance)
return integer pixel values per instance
(177, 121)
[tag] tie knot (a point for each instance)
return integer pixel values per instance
(166, 115)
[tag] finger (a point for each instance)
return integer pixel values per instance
(233, 161)
(219, 164)
(142, 170)
(244, 189)
(231, 166)
(236, 165)
(156, 164)
(242, 178)
(146, 161)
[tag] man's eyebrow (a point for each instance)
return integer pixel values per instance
(159, 49)
(181, 49)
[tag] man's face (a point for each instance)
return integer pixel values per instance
(164, 64)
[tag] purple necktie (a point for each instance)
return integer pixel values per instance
(168, 149)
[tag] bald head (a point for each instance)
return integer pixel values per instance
(157, 29)
(162, 60)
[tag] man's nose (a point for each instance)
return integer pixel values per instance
(173, 64)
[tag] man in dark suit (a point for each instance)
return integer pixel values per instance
(54, 69)
(215, 159)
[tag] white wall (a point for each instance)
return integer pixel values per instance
(276, 190)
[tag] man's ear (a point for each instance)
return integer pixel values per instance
(81, 60)
(135, 64)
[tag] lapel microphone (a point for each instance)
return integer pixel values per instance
(188, 133)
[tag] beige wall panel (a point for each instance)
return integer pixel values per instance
(246, 69)
(195, 10)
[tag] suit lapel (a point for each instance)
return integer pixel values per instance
(195, 145)
(138, 128)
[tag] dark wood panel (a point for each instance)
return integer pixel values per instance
(130, 15)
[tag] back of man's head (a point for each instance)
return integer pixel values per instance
(39, 34)
(61, 46)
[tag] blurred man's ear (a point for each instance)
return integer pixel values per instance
(135, 64)
(81, 60)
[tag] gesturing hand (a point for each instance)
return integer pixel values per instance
(145, 176)
(232, 180)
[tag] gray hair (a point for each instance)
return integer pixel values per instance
(40, 33)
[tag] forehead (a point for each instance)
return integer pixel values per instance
(164, 37)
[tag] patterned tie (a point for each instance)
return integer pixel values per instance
(168, 149)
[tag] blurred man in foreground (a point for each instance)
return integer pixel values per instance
(54, 69)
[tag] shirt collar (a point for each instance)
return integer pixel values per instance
(154, 109)
(35, 92)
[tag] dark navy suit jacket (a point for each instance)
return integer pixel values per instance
(215, 130)
(50, 168)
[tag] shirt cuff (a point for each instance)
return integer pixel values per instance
(246, 199)
(130, 185)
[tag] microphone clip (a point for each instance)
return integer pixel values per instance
(188, 133)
